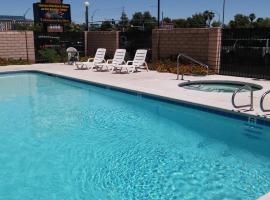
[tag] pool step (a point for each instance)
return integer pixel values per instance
(253, 126)
(253, 131)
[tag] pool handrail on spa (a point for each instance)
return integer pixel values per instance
(190, 59)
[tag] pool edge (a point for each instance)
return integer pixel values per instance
(206, 108)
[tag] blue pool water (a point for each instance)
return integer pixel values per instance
(66, 140)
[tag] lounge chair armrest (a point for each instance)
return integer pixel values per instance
(90, 59)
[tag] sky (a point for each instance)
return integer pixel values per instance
(111, 9)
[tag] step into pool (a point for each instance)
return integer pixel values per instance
(64, 139)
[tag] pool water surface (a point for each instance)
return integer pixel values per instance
(62, 139)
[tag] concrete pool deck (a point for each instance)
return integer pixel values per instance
(160, 84)
(265, 197)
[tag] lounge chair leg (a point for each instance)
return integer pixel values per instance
(147, 69)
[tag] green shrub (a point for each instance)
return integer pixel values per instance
(11, 61)
(83, 59)
(169, 66)
(50, 55)
(3, 62)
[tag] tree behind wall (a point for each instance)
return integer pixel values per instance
(180, 23)
(250, 21)
(208, 17)
(216, 24)
(252, 17)
(143, 21)
(167, 20)
(123, 23)
(240, 21)
(262, 23)
(198, 20)
(73, 27)
(106, 26)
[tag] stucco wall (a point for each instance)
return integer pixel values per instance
(202, 44)
(17, 44)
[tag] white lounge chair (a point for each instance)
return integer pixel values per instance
(93, 62)
(118, 59)
(138, 62)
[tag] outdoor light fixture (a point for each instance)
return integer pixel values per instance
(86, 3)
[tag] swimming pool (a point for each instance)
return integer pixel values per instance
(62, 139)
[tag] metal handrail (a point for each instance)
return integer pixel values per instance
(190, 59)
(262, 100)
(251, 105)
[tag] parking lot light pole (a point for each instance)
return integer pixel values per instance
(158, 21)
(223, 13)
(86, 3)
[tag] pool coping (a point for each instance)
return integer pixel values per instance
(256, 119)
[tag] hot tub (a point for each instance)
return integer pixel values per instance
(218, 86)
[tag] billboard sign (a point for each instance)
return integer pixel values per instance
(52, 13)
(52, 1)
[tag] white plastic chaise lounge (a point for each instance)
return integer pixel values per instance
(118, 59)
(93, 62)
(138, 62)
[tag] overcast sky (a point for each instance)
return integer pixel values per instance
(111, 9)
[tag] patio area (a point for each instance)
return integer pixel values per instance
(159, 84)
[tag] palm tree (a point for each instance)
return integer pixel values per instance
(252, 17)
(208, 17)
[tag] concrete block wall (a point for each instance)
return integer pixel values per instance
(17, 45)
(202, 44)
(214, 48)
(101, 39)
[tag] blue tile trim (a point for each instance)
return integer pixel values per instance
(226, 113)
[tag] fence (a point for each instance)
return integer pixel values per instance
(51, 47)
(133, 40)
(101, 39)
(246, 52)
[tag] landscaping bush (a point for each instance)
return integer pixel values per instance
(11, 61)
(169, 66)
(50, 55)
(3, 62)
(84, 59)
